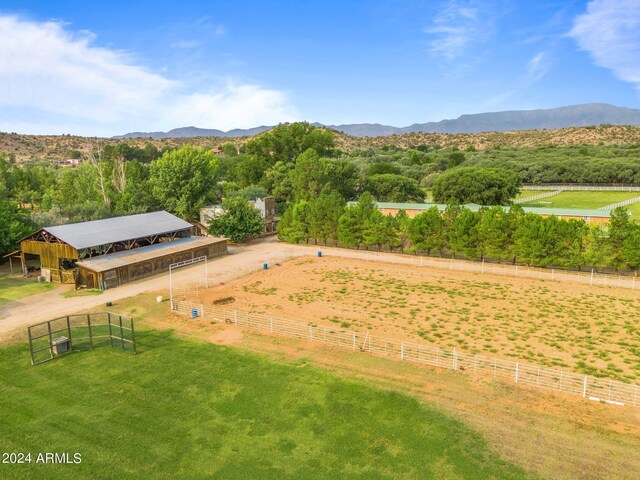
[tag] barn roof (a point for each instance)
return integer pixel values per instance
(117, 229)
(102, 263)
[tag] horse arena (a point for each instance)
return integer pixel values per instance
(577, 328)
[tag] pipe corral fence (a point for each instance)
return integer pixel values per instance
(508, 371)
(53, 338)
(595, 388)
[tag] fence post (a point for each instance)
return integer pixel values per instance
(33, 360)
(584, 387)
(516, 270)
(89, 326)
(121, 333)
(482, 267)
(133, 336)
(553, 271)
(110, 331)
(517, 371)
(402, 351)
(591, 279)
(633, 282)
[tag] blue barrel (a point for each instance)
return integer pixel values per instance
(265, 266)
(194, 312)
(319, 253)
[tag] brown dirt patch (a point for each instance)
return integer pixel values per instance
(588, 329)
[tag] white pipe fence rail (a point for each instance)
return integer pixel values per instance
(509, 371)
(190, 291)
(598, 188)
(537, 197)
(624, 203)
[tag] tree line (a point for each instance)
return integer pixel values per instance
(496, 233)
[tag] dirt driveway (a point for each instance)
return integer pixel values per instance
(52, 304)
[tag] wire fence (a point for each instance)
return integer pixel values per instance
(509, 371)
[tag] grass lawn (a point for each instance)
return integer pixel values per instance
(586, 199)
(15, 288)
(187, 409)
(531, 193)
(634, 210)
(82, 293)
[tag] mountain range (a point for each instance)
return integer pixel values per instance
(562, 117)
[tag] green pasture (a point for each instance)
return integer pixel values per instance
(188, 410)
(581, 199)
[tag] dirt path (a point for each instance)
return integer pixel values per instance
(44, 306)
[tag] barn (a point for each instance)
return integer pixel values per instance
(106, 253)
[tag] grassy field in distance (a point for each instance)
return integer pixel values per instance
(188, 409)
(581, 199)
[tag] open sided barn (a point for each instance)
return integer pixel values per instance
(106, 253)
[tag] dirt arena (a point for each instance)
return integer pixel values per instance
(592, 330)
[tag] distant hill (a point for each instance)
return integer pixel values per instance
(554, 118)
(188, 132)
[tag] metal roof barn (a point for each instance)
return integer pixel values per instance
(117, 229)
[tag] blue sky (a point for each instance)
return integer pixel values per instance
(114, 67)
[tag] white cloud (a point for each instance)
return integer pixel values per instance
(610, 32)
(457, 26)
(57, 81)
(537, 67)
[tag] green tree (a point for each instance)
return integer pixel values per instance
(294, 224)
(14, 225)
(463, 236)
(308, 178)
(324, 217)
(286, 142)
(353, 222)
(238, 222)
(426, 231)
(484, 186)
(388, 187)
(182, 180)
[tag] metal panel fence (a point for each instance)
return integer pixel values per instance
(59, 336)
(509, 371)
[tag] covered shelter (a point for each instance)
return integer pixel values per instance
(64, 250)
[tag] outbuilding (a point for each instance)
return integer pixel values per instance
(106, 253)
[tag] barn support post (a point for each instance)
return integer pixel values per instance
(22, 263)
(10, 267)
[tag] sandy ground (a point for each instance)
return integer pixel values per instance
(590, 329)
(52, 304)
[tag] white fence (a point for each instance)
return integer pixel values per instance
(624, 203)
(518, 373)
(587, 187)
(537, 197)
(189, 291)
